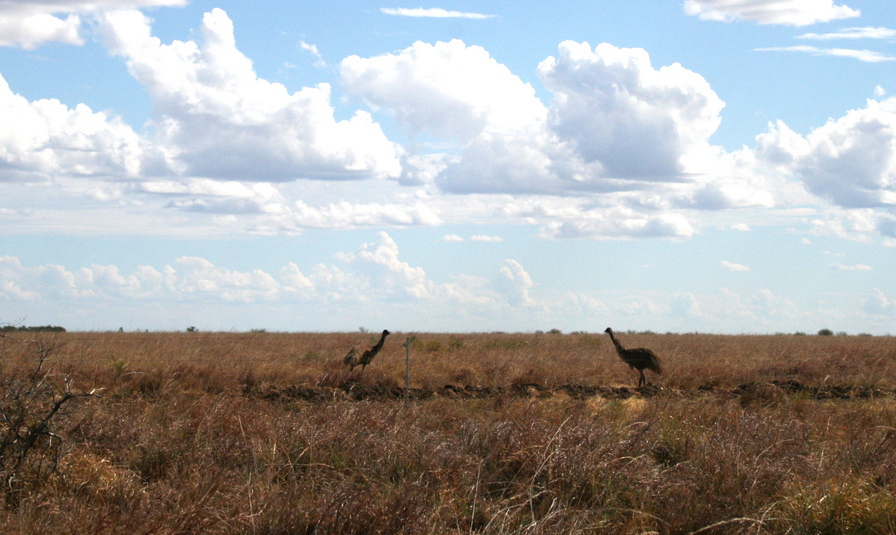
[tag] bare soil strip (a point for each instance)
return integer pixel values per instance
(353, 391)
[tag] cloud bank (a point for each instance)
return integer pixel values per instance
(621, 149)
(373, 284)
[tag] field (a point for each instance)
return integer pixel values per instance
(499, 433)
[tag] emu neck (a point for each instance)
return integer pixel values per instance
(619, 347)
(380, 343)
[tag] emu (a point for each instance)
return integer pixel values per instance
(351, 359)
(638, 358)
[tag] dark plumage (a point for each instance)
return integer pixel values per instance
(352, 360)
(638, 358)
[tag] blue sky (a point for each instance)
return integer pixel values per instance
(690, 165)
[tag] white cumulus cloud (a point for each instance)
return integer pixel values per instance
(214, 117)
(879, 304)
(623, 117)
(447, 90)
(43, 138)
(312, 49)
(379, 262)
(618, 129)
(30, 23)
(850, 160)
(732, 266)
(29, 31)
(514, 283)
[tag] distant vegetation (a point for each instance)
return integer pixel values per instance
(42, 328)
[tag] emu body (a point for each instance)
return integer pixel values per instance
(351, 359)
(638, 358)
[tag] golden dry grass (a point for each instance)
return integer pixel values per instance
(265, 433)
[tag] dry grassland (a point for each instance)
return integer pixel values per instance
(502, 433)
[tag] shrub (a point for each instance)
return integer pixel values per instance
(31, 400)
(119, 365)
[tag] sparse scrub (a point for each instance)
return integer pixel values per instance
(119, 365)
(232, 433)
(33, 400)
(309, 356)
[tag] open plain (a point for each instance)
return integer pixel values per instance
(498, 433)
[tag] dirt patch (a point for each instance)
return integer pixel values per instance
(372, 392)
(747, 393)
(817, 392)
(753, 392)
